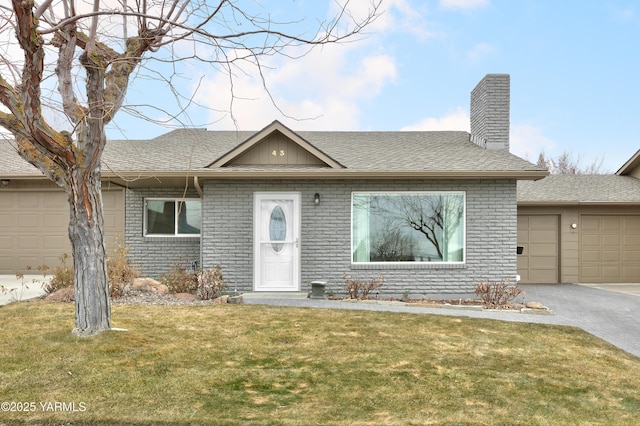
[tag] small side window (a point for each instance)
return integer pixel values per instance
(173, 217)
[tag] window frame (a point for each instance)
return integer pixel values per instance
(404, 264)
(176, 202)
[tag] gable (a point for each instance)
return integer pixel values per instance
(631, 167)
(276, 145)
(276, 149)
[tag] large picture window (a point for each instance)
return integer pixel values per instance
(172, 217)
(408, 227)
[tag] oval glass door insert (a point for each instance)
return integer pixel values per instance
(277, 228)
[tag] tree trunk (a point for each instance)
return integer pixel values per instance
(86, 232)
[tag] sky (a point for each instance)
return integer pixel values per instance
(574, 70)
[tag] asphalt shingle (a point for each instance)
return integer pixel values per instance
(192, 150)
(580, 189)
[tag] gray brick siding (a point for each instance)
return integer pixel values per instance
(154, 256)
(489, 110)
(491, 226)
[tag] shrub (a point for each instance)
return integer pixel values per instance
(120, 271)
(61, 277)
(360, 289)
(178, 280)
(498, 294)
(210, 284)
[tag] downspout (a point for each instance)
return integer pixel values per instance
(196, 185)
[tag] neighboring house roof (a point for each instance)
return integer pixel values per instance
(580, 189)
(202, 153)
(631, 167)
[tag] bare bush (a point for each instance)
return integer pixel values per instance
(498, 294)
(62, 276)
(120, 270)
(210, 284)
(360, 289)
(178, 280)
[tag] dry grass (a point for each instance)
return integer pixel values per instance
(234, 364)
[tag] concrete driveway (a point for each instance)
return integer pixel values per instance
(611, 312)
(14, 289)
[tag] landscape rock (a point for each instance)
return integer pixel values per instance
(149, 285)
(63, 295)
(535, 305)
(221, 299)
(236, 300)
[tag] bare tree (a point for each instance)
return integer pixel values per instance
(568, 164)
(91, 56)
(436, 217)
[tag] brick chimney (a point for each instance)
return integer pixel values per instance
(490, 101)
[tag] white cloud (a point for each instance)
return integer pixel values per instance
(479, 51)
(322, 90)
(457, 120)
(463, 4)
(527, 141)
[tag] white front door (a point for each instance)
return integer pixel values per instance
(276, 237)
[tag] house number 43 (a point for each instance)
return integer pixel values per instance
(277, 153)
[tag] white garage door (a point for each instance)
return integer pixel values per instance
(34, 227)
(609, 249)
(538, 235)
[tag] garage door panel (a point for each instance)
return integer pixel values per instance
(28, 200)
(541, 249)
(543, 262)
(611, 256)
(611, 240)
(29, 261)
(612, 271)
(590, 224)
(57, 203)
(610, 248)
(38, 230)
(541, 222)
(611, 224)
(631, 256)
(7, 221)
(6, 263)
(58, 221)
(538, 234)
(631, 271)
(630, 241)
(28, 242)
(591, 240)
(546, 275)
(591, 256)
(547, 235)
(28, 221)
(631, 226)
(55, 242)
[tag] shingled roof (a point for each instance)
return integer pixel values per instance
(580, 189)
(361, 154)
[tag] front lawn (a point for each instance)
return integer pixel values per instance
(241, 364)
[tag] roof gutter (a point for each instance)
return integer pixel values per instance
(556, 203)
(333, 174)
